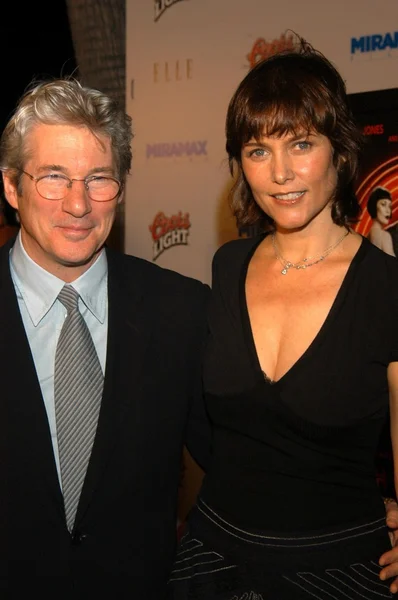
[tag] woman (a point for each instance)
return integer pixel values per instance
(379, 208)
(299, 358)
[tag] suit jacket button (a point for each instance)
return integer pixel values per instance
(78, 537)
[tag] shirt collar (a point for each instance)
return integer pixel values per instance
(39, 288)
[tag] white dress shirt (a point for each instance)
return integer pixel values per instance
(43, 316)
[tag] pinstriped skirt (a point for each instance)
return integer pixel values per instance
(216, 560)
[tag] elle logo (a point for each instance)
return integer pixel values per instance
(178, 70)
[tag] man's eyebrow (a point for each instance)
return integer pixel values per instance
(50, 167)
(63, 169)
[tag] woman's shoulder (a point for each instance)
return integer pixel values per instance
(376, 254)
(379, 267)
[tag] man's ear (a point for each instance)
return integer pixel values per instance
(121, 195)
(10, 189)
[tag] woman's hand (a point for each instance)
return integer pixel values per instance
(389, 560)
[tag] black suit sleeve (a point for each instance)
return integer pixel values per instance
(198, 435)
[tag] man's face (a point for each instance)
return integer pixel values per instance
(63, 236)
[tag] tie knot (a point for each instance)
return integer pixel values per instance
(69, 297)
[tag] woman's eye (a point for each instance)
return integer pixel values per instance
(257, 152)
(303, 145)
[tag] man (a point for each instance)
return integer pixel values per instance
(68, 530)
(90, 449)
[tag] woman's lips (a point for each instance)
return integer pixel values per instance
(288, 198)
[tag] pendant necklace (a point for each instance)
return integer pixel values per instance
(307, 262)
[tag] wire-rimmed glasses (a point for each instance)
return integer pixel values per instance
(56, 186)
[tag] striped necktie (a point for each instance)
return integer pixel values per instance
(78, 385)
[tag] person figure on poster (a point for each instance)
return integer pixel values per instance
(379, 207)
(300, 361)
(89, 474)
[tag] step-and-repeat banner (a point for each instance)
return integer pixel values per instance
(184, 60)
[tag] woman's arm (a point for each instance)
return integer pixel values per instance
(392, 375)
(389, 560)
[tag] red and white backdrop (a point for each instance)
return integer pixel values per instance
(184, 59)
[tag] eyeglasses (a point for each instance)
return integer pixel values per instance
(56, 186)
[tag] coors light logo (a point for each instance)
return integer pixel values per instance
(168, 232)
(161, 6)
(263, 49)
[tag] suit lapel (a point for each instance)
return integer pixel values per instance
(25, 420)
(129, 332)
(22, 412)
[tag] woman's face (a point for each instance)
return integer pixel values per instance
(383, 208)
(293, 178)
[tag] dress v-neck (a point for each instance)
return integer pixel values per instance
(247, 328)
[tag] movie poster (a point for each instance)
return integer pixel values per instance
(377, 192)
(377, 188)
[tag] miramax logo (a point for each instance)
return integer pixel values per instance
(177, 149)
(378, 44)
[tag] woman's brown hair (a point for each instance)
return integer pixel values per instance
(288, 93)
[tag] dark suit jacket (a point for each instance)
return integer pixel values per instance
(124, 538)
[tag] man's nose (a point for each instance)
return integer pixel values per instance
(77, 201)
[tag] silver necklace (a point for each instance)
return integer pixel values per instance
(304, 263)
